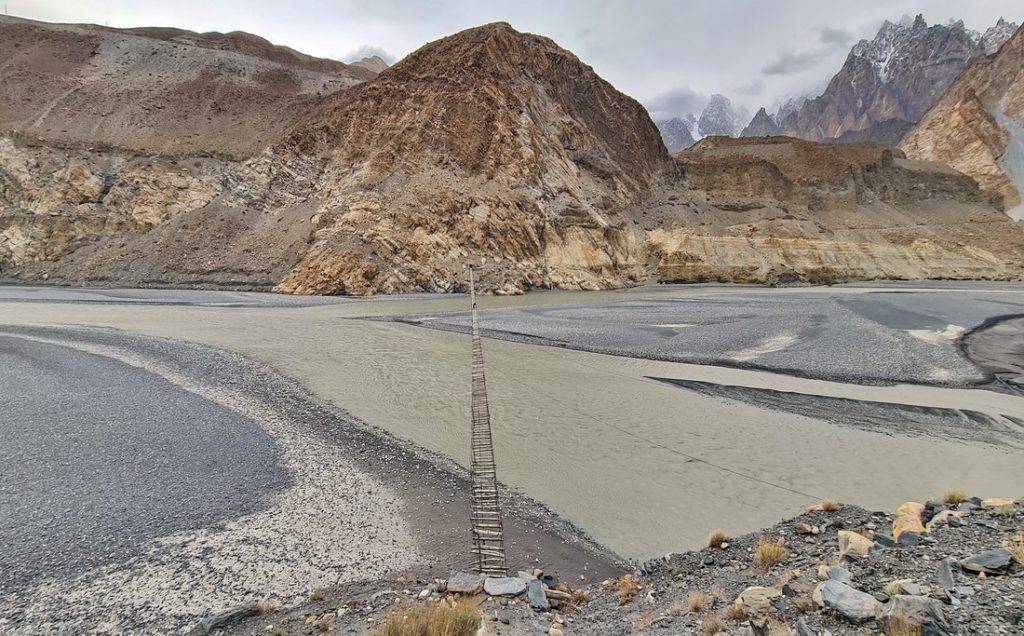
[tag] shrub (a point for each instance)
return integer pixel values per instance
(696, 601)
(831, 506)
(1017, 549)
(628, 589)
(736, 611)
(717, 538)
(954, 496)
(769, 553)
(712, 625)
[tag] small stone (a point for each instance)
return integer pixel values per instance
(839, 573)
(725, 544)
(885, 539)
(909, 539)
(504, 586)
(804, 528)
(535, 593)
(990, 562)
(803, 629)
(910, 588)
(853, 604)
(945, 574)
(758, 599)
(549, 580)
(463, 583)
(964, 590)
(967, 507)
(942, 518)
(555, 631)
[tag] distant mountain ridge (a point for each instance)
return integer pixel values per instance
(884, 87)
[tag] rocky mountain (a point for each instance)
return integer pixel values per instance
(490, 147)
(894, 78)
(372, 63)
(995, 36)
(719, 118)
(978, 125)
(762, 125)
(676, 134)
(157, 90)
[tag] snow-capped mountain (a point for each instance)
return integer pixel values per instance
(676, 133)
(888, 83)
(719, 118)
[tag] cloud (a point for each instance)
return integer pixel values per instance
(676, 102)
(791, 63)
(835, 37)
(753, 88)
(367, 50)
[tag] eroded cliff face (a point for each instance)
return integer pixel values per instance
(978, 126)
(493, 148)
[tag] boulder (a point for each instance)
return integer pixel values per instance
(504, 586)
(853, 544)
(995, 561)
(853, 604)
(464, 583)
(995, 502)
(538, 599)
(908, 519)
(758, 599)
(916, 612)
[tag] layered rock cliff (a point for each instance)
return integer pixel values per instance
(490, 147)
(978, 125)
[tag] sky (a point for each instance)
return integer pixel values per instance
(670, 55)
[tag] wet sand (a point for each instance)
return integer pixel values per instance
(644, 467)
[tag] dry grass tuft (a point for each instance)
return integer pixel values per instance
(901, 626)
(736, 611)
(717, 591)
(318, 595)
(325, 624)
(769, 553)
(696, 601)
(643, 622)
(892, 588)
(777, 628)
(438, 619)
(713, 624)
(805, 604)
(629, 587)
(955, 496)
(580, 597)
(1006, 512)
(717, 538)
(267, 606)
(676, 609)
(831, 506)
(1017, 549)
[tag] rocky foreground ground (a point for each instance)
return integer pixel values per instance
(934, 569)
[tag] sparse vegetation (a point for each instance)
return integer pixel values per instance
(777, 628)
(629, 587)
(713, 624)
(717, 538)
(676, 609)
(1017, 549)
(769, 553)
(317, 595)
(1006, 512)
(831, 506)
(325, 624)
(696, 601)
(438, 619)
(717, 591)
(892, 588)
(267, 605)
(736, 611)
(643, 622)
(805, 604)
(954, 496)
(580, 597)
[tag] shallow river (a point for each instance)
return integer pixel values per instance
(645, 467)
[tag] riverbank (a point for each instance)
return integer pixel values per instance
(358, 503)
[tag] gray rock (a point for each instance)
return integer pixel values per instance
(463, 583)
(839, 573)
(909, 539)
(526, 576)
(910, 588)
(990, 562)
(919, 611)
(885, 539)
(964, 590)
(853, 604)
(803, 629)
(224, 619)
(538, 599)
(504, 586)
(945, 574)
(967, 507)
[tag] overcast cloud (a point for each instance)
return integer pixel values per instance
(669, 54)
